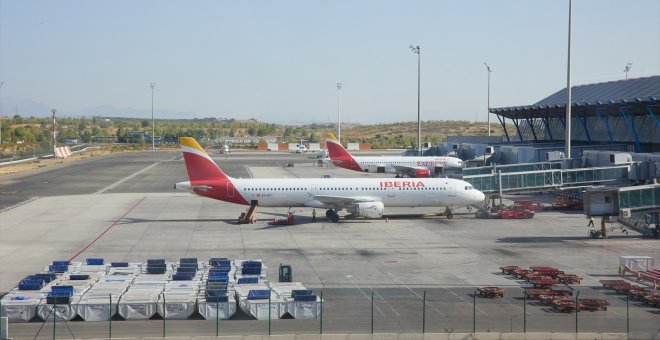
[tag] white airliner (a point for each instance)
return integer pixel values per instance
(225, 149)
(365, 197)
(415, 166)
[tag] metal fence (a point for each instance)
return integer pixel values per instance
(386, 310)
(37, 151)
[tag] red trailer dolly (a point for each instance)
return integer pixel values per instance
(491, 292)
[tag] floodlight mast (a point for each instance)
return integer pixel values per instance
(567, 134)
(1, 83)
(339, 85)
(153, 126)
(488, 96)
(416, 50)
(54, 130)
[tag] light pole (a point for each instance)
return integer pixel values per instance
(488, 111)
(1, 83)
(54, 131)
(153, 126)
(339, 85)
(415, 49)
(627, 69)
(568, 88)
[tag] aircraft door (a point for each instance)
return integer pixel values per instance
(380, 169)
(452, 189)
(390, 192)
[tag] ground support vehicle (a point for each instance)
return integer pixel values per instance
(508, 270)
(283, 221)
(544, 282)
(594, 304)
(612, 283)
(536, 293)
(566, 305)
(652, 300)
(516, 212)
(569, 278)
(567, 203)
(491, 292)
(521, 273)
(486, 214)
(640, 294)
(533, 205)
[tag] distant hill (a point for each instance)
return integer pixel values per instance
(438, 129)
(24, 107)
(29, 108)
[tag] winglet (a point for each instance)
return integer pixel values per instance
(199, 164)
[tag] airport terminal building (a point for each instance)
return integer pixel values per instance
(615, 112)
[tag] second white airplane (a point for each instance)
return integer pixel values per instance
(365, 197)
(420, 166)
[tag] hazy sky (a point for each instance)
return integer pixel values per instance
(279, 61)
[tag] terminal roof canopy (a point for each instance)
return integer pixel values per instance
(622, 92)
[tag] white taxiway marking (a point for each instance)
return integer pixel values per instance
(115, 184)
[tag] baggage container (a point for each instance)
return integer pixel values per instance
(138, 305)
(97, 308)
(223, 308)
(64, 312)
(21, 306)
(176, 306)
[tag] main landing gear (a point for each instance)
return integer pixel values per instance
(332, 215)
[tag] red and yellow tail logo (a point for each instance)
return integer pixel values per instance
(338, 155)
(199, 164)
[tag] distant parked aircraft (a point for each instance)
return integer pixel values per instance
(225, 149)
(414, 166)
(365, 197)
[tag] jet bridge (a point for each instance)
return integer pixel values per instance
(636, 207)
(541, 180)
(505, 168)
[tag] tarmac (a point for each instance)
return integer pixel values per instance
(412, 271)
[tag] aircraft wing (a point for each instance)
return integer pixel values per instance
(410, 171)
(339, 202)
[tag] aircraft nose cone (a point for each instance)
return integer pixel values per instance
(479, 196)
(482, 197)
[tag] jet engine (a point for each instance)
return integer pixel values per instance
(422, 173)
(367, 209)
